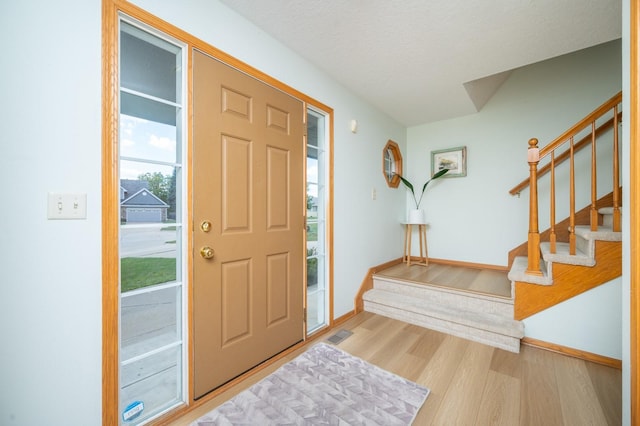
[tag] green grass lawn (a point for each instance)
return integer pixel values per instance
(312, 232)
(138, 272)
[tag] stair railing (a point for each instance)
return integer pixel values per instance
(535, 154)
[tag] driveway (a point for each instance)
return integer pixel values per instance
(148, 242)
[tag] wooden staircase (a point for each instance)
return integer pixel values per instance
(553, 270)
(597, 260)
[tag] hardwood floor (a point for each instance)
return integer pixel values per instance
(474, 384)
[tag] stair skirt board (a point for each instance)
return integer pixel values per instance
(501, 341)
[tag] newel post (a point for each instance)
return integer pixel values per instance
(533, 242)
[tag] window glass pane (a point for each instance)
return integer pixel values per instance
(148, 186)
(316, 309)
(316, 211)
(151, 247)
(312, 269)
(149, 140)
(155, 381)
(312, 130)
(149, 64)
(312, 166)
(147, 256)
(150, 321)
(312, 201)
(312, 235)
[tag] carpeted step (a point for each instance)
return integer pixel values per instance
(562, 255)
(585, 254)
(607, 216)
(604, 233)
(518, 272)
(494, 330)
(447, 296)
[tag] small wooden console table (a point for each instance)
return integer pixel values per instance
(422, 233)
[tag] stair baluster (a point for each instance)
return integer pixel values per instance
(572, 200)
(617, 225)
(552, 213)
(593, 215)
(533, 157)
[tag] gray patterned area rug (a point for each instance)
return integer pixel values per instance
(326, 386)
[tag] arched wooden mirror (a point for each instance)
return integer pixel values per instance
(391, 164)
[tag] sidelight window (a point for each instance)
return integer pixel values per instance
(152, 237)
(317, 195)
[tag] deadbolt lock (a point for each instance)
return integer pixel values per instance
(206, 252)
(205, 226)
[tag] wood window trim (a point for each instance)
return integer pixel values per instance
(394, 180)
(634, 207)
(110, 200)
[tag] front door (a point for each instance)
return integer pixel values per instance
(248, 222)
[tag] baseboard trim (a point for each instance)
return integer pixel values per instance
(367, 283)
(575, 353)
(342, 319)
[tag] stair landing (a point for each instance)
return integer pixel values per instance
(491, 282)
(472, 303)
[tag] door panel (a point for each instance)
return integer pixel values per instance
(278, 288)
(249, 184)
(236, 184)
(277, 189)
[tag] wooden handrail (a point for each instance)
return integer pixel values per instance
(534, 154)
(581, 125)
(565, 155)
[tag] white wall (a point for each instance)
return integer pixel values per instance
(589, 322)
(50, 308)
(474, 219)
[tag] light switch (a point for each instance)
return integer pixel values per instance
(67, 205)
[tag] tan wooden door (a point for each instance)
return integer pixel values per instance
(248, 184)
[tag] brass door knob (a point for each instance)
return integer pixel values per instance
(206, 252)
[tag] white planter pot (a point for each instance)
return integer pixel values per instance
(416, 216)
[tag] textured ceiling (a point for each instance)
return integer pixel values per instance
(427, 60)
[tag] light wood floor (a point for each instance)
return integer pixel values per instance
(476, 280)
(474, 384)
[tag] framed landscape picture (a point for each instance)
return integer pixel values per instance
(454, 159)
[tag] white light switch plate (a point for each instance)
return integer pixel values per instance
(67, 206)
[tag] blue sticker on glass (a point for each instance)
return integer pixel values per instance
(132, 411)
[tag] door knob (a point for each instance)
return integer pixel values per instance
(206, 252)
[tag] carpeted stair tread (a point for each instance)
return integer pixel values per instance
(519, 268)
(483, 321)
(562, 255)
(604, 233)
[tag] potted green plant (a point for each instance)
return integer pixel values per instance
(417, 215)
